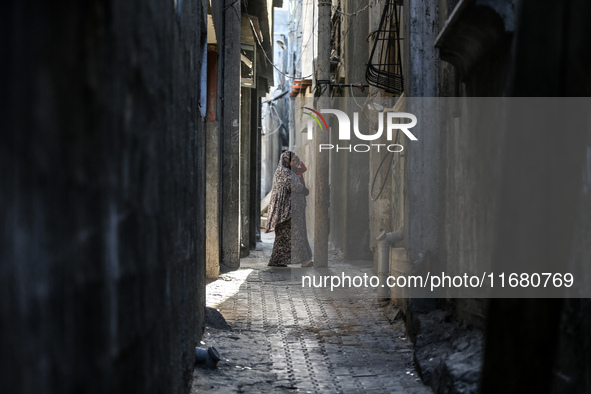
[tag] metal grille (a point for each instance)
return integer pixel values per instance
(384, 69)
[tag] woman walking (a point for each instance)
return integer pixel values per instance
(286, 216)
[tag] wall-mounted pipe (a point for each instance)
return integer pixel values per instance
(385, 242)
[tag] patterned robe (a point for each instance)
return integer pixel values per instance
(287, 211)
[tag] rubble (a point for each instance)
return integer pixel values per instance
(448, 355)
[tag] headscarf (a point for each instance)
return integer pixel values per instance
(286, 158)
(280, 204)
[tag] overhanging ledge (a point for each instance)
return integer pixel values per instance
(472, 29)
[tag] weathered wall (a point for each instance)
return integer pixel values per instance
(380, 208)
(245, 158)
(212, 236)
(356, 234)
(228, 21)
(255, 166)
(306, 150)
(572, 367)
(422, 186)
(102, 265)
(511, 198)
(276, 107)
(573, 362)
(548, 339)
(472, 163)
(212, 165)
(272, 142)
(452, 173)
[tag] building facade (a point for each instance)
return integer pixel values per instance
(453, 194)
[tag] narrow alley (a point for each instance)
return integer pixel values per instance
(286, 338)
(293, 196)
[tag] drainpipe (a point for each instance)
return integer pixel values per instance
(385, 242)
(207, 358)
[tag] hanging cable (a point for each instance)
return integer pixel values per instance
(267, 56)
(321, 68)
(387, 173)
(353, 95)
(336, 9)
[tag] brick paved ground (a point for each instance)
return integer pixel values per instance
(288, 339)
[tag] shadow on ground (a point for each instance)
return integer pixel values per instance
(283, 337)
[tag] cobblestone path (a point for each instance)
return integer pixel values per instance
(285, 338)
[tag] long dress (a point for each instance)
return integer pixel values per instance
(287, 217)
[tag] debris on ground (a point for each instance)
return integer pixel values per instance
(448, 355)
(214, 319)
(287, 338)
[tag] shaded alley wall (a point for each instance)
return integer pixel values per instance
(554, 333)
(496, 209)
(471, 153)
(102, 265)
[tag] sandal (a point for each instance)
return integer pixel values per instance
(308, 264)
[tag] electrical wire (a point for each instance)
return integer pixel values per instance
(320, 68)
(271, 62)
(373, 182)
(336, 9)
(385, 179)
(309, 38)
(353, 95)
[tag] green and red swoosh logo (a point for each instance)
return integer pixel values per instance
(316, 118)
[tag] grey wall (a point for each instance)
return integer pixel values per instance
(245, 159)
(227, 24)
(494, 209)
(356, 238)
(422, 188)
(548, 338)
(101, 262)
(471, 153)
(517, 198)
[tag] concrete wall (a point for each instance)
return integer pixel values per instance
(548, 339)
(355, 237)
(212, 246)
(229, 22)
(276, 108)
(306, 150)
(574, 343)
(380, 205)
(245, 159)
(239, 123)
(212, 165)
(102, 173)
(309, 31)
(275, 135)
(471, 153)
(506, 199)
(349, 218)
(497, 211)
(422, 158)
(272, 141)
